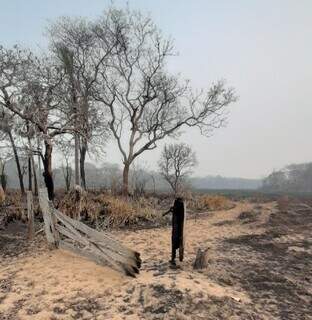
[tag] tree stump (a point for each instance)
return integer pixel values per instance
(201, 260)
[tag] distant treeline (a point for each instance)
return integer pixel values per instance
(109, 176)
(292, 178)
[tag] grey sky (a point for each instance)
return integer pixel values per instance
(263, 49)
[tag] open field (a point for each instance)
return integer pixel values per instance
(260, 259)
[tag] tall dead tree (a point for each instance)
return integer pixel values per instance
(145, 103)
(67, 59)
(73, 42)
(12, 63)
(6, 126)
(39, 103)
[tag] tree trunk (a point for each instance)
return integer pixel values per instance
(34, 175)
(18, 165)
(68, 176)
(29, 174)
(47, 173)
(67, 179)
(77, 171)
(83, 152)
(125, 181)
(30, 177)
(3, 178)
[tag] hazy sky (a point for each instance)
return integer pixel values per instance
(262, 48)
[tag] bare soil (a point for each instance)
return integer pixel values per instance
(260, 267)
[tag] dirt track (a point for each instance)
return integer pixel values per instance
(259, 268)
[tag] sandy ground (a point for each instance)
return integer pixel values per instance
(258, 269)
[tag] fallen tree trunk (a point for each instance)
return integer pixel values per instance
(67, 233)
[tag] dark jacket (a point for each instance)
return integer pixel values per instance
(177, 223)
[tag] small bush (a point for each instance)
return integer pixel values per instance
(118, 211)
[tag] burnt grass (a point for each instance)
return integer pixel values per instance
(186, 305)
(275, 268)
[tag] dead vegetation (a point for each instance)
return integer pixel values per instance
(256, 270)
(101, 210)
(106, 211)
(208, 203)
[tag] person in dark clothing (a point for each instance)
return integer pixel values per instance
(177, 240)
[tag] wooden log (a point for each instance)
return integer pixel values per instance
(91, 255)
(46, 209)
(100, 237)
(81, 252)
(30, 216)
(201, 260)
(71, 235)
(126, 259)
(126, 264)
(97, 246)
(90, 249)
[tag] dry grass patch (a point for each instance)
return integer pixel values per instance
(14, 205)
(104, 210)
(209, 202)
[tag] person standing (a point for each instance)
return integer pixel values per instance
(177, 237)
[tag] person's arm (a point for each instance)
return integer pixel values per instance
(170, 210)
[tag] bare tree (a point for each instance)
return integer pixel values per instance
(146, 103)
(140, 178)
(6, 126)
(176, 164)
(39, 102)
(12, 62)
(73, 40)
